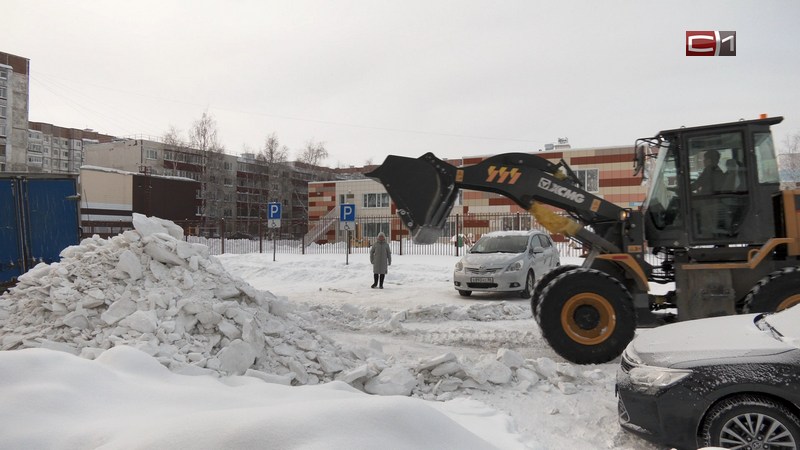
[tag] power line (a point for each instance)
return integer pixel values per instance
(324, 122)
(65, 93)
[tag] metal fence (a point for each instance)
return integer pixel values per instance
(459, 233)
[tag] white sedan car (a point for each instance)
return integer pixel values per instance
(506, 261)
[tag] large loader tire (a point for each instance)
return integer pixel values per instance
(544, 281)
(586, 316)
(775, 292)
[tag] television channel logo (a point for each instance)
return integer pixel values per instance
(710, 43)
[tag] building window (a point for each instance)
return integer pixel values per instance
(371, 229)
(590, 179)
(228, 165)
(2, 92)
(380, 200)
(34, 160)
(152, 153)
(3, 110)
(3, 74)
(228, 182)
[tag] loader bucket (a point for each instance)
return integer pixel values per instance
(423, 190)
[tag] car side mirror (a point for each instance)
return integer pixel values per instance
(538, 250)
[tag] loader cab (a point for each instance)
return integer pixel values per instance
(713, 185)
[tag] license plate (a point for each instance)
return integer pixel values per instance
(481, 279)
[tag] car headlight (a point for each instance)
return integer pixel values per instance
(459, 266)
(648, 377)
(513, 267)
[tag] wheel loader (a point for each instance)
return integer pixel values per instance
(714, 236)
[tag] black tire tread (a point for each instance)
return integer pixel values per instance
(752, 400)
(772, 289)
(543, 282)
(576, 352)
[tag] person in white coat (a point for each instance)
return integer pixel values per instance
(380, 255)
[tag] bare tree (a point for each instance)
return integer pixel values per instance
(203, 137)
(273, 152)
(314, 153)
(203, 134)
(173, 137)
(273, 156)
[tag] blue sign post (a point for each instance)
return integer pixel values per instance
(273, 221)
(347, 222)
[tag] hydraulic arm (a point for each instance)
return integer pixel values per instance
(528, 180)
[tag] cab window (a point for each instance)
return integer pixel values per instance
(765, 158)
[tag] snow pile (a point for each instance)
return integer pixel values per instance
(150, 290)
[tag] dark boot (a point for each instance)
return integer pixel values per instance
(375, 283)
(381, 281)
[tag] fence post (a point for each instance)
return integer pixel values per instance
(222, 234)
(260, 235)
(458, 233)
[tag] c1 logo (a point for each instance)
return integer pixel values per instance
(710, 43)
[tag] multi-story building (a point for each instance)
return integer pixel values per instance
(53, 149)
(234, 188)
(14, 82)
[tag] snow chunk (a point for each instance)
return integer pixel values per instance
(236, 358)
(129, 263)
(392, 381)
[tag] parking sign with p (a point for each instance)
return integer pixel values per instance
(274, 215)
(347, 216)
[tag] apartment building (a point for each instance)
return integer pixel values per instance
(234, 188)
(14, 82)
(54, 149)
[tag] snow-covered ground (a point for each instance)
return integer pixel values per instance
(146, 341)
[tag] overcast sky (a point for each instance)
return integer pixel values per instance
(370, 78)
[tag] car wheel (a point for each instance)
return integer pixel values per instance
(750, 421)
(775, 292)
(530, 282)
(465, 293)
(586, 316)
(546, 278)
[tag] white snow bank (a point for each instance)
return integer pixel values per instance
(125, 399)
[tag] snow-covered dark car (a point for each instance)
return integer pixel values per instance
(506, 261)
(730, 382)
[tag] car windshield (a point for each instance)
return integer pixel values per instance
(501, 244)
(787, 324)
